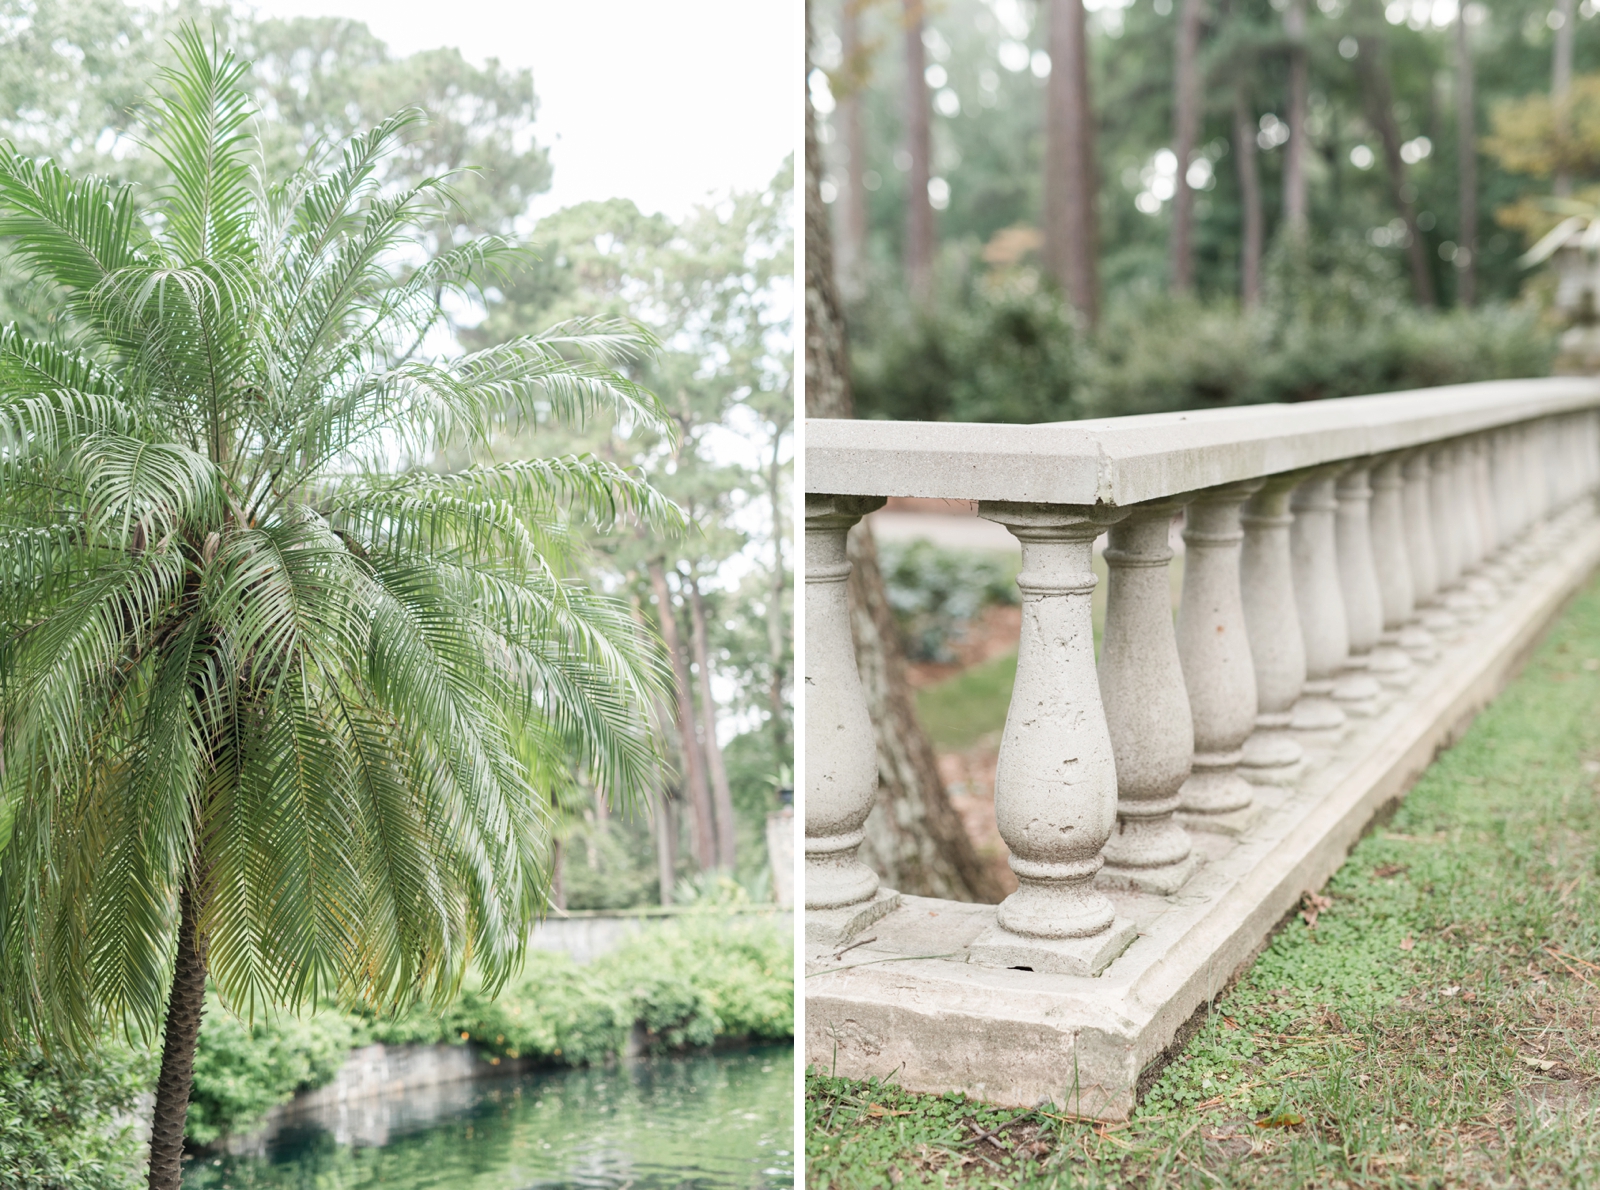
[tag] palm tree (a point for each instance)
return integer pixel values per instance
(275, 710)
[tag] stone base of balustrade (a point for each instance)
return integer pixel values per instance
(1283, 774)
(1083, 957)
(834, 927)
(1164, 880)
(911, 1005)
(1231, 822)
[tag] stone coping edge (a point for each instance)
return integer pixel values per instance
(1128, 460)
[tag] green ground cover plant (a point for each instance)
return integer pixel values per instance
(1430, 1018)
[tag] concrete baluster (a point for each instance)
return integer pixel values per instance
(1474, 529)
(1272, 756)
(1391, 561)
(1470, 533)
(1448, 534)
(1357, 536)
(1055, 792)
(841, 893)
(1518, 496)
(1418, 506)
(1503, 493)
(1320, 603)
(1147, 708)
(1538, 487)
(1494, 567)
(1358, 583)
(1218, 672)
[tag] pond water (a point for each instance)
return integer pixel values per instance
(706, 1122)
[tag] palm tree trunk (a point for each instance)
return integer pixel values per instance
(919, 211)
(694, 773)
(1467, 177)
(1561, 85)
(1186, 103)
(1070, 237)
(1244, 155)
(1379, 94)
(853, 221)
(1295, 205)
(721, 796)
(185, 1004)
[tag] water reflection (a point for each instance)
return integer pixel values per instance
(722, 1121)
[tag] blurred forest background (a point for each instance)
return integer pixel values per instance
(714, 287)
(1047, 209)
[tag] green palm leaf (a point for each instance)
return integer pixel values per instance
(244, 662)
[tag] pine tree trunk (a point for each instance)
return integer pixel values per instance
(827, 361)
(558, 874)
(1467, 177)
(853, 213)
(779, 633)
(664, 823)
(1186, 107)
(185, 1005)
(1070, 183)
(914, 832)
(1561, 85)
(694, 773)
(915, 839)
(721, 795)
(1295, 204)
(919, 211)
(1379, 94)
(666, 833)
(1244, 159)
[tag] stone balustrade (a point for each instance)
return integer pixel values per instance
(1358, 575)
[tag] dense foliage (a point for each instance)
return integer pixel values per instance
(692, 982)
(246, 653)
(687, 983)
(712, 286)
(937, 592)
(68, 1124)
(995, 341)
(1335, 322)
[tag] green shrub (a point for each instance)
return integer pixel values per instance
(242, 1071)
(1001, 351)
(556, 1011)
(687, 982)
(1334, 321)
(936, 592)
(68, 1125)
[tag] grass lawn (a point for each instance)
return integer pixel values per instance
(967, 706)
(1431, 1020)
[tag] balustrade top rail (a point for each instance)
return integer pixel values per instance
(1120, 461)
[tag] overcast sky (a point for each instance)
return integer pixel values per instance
(660, 101)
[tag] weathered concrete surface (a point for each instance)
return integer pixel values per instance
(1127, 460)
(908, 1004)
